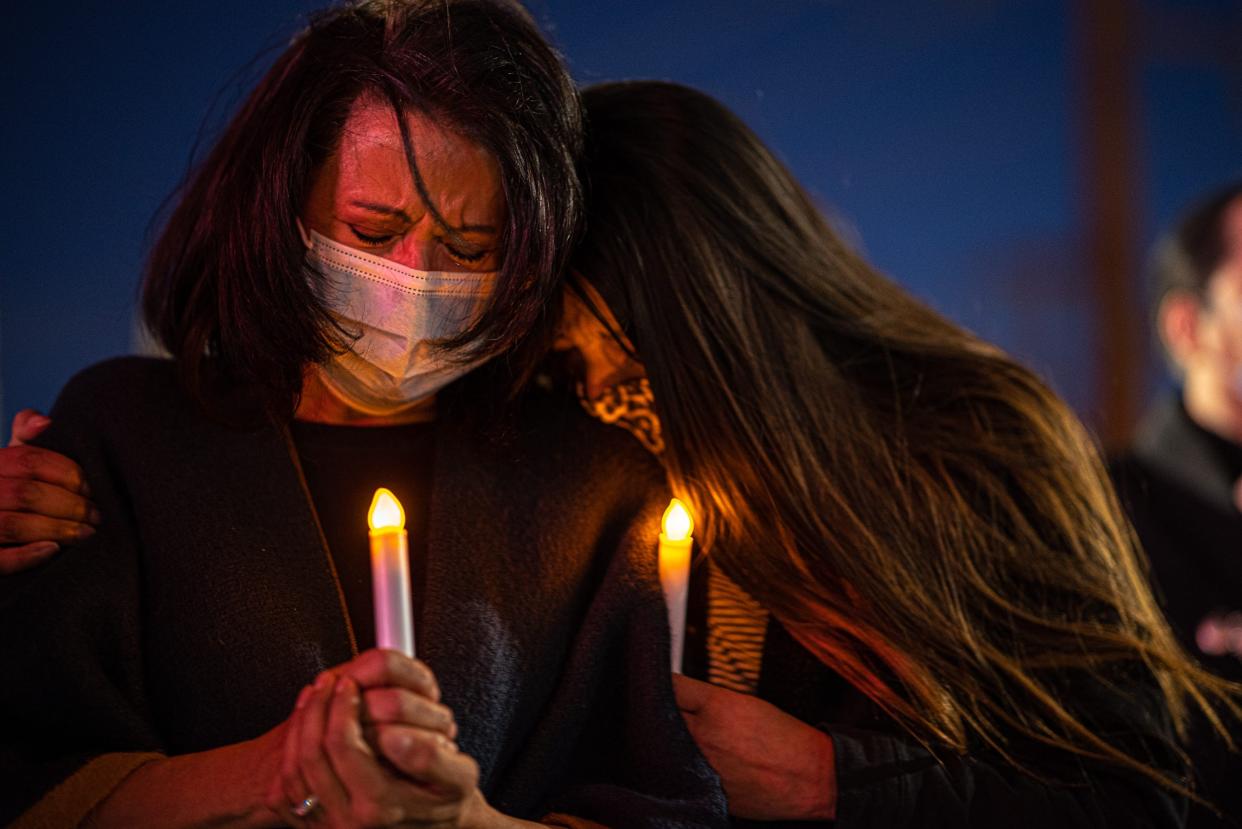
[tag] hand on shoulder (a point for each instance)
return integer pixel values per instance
(44, 500)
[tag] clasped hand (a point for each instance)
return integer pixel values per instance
(372, 745)
(44, 500)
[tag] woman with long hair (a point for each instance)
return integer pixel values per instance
(391, 208)
(912, 547)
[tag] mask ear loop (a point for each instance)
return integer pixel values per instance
(306, 238)
(575, 284)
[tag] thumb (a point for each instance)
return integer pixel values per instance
(692, 695)
(27, 424)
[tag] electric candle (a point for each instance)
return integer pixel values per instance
(390, 574)
(675, 545)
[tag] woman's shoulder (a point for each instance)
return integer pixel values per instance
(120, 380)
(123, 398)
(545, 457)
(553, 425)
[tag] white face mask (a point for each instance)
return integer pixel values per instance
(400, 312)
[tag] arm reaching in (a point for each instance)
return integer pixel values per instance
(44, 500)
(773, 766)
(776, 767)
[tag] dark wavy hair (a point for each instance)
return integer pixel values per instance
(920, 510)
(1187, 256)
(226, 290)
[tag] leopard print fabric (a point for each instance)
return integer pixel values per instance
(630, 405)
(736, 623)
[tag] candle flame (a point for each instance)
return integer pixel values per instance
(677, 525)
(386, 512)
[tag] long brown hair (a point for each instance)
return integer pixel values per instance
(226, 285)
(919, 509)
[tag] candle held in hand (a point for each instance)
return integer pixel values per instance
(390, 574)
(675, 546)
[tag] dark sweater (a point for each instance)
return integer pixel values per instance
(343, 466)
(1177, 484)
(207, 600)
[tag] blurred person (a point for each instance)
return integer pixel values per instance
(353, 286)
(1181, 481)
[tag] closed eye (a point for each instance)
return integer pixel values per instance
(372, 240)
(470, 257)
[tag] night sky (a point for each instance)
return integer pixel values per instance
(944, 137)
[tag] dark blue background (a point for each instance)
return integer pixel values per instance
(945, 136)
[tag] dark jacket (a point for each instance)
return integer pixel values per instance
(208, 599)
(1176, 483)
(885, 778)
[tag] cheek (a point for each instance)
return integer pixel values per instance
(568, 340)
(567, 329)
(570, 334)
(614, 354)
(1226, 342)
(1219, 359)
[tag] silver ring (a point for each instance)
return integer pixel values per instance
(308, 805)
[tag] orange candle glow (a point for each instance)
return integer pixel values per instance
(675, 546)
(390, 574)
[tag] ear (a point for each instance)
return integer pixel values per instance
(1177, 319)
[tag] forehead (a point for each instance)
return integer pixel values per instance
(371, 164)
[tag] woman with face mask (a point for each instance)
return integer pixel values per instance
(388, 211)
(919, 604)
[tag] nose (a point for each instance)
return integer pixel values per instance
(418, 254)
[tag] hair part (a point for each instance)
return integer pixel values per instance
(226, 288)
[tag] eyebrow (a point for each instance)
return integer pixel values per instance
(401, 214)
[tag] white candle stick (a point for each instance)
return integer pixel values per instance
(675, 546)
(390, 574)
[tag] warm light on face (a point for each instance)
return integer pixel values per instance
(602, 360)
(386, 512)
(677, 524)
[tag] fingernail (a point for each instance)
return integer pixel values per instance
(93, 515)
(433, 687)
(323, 680)
(302, 698)
(85, 531)
(344, 685)
(39, 421)
(85, 489)
(43, 549)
